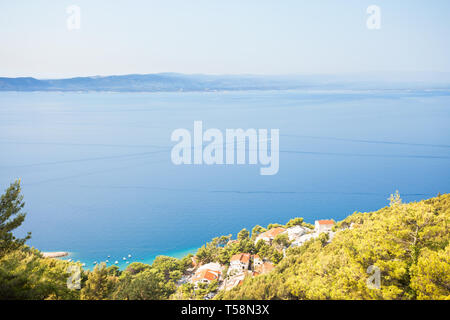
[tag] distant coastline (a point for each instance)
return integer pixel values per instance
(176, 82)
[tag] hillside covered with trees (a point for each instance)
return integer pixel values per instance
(407, 243)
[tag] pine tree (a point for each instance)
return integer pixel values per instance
(99, 285)
(11, 217)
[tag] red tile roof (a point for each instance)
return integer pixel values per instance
(272, 233)
(264, 268)
(325, 221)
(206, 274)
(268, 266)
(242, 257)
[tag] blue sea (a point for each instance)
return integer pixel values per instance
(98, 179)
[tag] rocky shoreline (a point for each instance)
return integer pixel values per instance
(59, 254)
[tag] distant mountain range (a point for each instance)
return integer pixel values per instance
(160, 82)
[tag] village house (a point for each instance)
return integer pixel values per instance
(269, 235)
(323, 226)
(302, 239)
(263, 268)
(239, 262)
(211, 266)
(257, 261)
(205, 276)
(295, 232)
(235, 280)
(207, 273)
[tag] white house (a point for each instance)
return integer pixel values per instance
(295, 232)
(205, 276)
(234, 280)
(257, 261)
(323, 226)
(269, 235)
(211, 266)
(239, 262)
(300, 241)
(207, 273)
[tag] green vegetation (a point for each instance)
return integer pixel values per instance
(222, 249)
(11, 217)
(23, 273)
(407, 243)
(186, 291)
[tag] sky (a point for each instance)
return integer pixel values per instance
(222, 37)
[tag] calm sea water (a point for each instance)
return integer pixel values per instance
(98, 180)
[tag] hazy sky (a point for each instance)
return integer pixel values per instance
(222, 36)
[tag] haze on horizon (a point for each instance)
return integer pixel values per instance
(222, 37)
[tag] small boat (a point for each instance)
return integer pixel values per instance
(117, 262)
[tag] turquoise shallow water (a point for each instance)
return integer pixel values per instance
(111, 259)
(98, 180)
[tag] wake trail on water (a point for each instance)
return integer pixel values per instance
(247, 191)
(368, 141)
(370, 155)
(90, 173)
(129, 155)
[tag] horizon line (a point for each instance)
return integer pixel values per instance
(297, 74)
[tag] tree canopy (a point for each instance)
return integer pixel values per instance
(408, 244)
(401, 251)
(11, 217)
